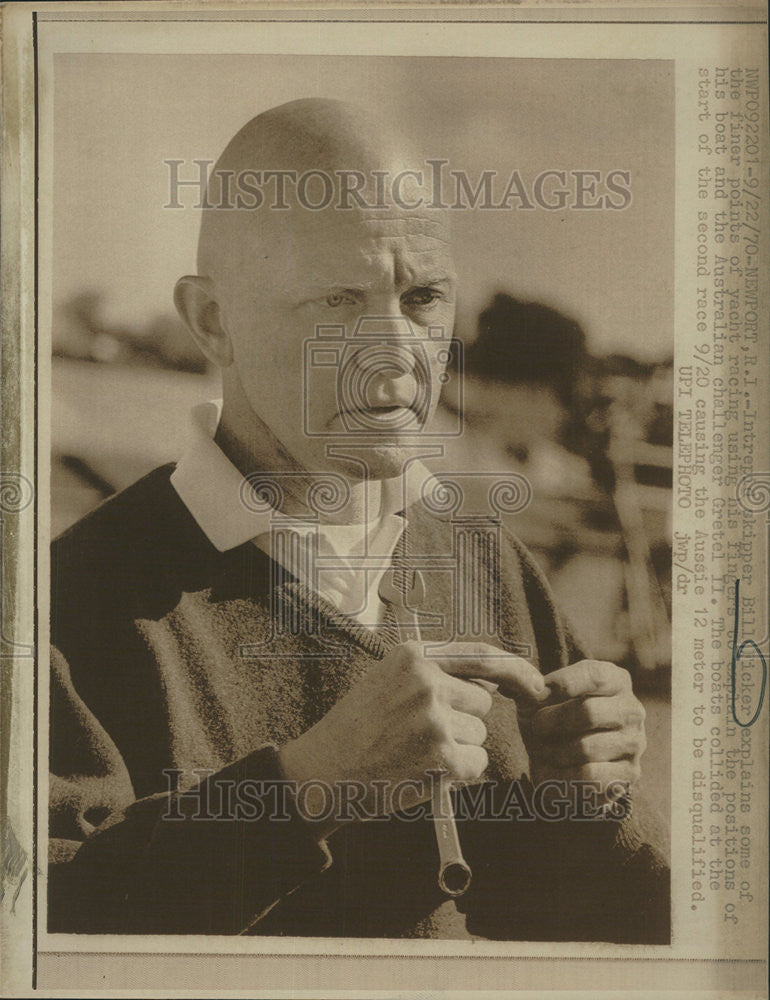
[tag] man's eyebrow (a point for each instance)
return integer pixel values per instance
(419, 281)
(325, 285)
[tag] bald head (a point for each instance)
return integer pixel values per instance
(316, 159)
(314, 133)
(320, 227)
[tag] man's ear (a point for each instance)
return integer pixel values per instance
(199, 310)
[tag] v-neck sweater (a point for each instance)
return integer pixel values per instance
(178, 670)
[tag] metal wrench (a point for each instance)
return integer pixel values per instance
(454, 875)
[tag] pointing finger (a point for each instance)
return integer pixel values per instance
(515, 676)
(588, 677)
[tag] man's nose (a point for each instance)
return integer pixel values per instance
(386, 361)
(374, 326)
(385, 368)
(388, 388)
(389, 342)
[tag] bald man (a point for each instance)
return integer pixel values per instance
(245, 732)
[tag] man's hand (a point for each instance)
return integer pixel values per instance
(588, 726)
(407, 716)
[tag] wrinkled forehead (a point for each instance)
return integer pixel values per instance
(341, 249)
(393, 241)
(327, 183)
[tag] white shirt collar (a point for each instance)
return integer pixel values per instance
(213, 489)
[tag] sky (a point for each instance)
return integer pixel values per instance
(118, 117)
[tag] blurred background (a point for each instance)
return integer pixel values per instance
(566, 317)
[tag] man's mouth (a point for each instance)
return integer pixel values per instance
(397, 417)
(385, 410)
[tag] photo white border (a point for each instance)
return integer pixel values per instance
(86, 31)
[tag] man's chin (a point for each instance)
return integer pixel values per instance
(382, 458)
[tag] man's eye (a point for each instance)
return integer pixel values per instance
(335, 299)
(421, 297)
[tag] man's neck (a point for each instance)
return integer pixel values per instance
(259, 450)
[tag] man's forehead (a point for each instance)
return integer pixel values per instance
(413, 243)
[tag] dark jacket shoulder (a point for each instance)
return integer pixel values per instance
(135, 546)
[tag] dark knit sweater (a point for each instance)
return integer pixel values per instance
(169, 654)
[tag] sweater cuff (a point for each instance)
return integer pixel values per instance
(226, 851)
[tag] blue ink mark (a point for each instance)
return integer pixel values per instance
(736, 655)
